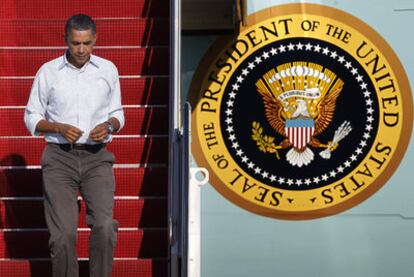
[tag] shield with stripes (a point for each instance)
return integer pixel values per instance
(299, 131)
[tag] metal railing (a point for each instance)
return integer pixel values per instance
(174, 167)
(179, 199)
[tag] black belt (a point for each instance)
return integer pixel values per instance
(81, 146)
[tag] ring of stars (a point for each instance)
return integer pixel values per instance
(273, 52)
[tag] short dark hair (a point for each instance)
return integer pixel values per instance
(80, 22)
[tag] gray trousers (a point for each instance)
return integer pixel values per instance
(65, 172)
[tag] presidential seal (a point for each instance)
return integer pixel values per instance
(305, 113)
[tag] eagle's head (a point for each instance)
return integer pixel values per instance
(301, 109)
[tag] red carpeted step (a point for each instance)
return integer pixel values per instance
(149, 181)
(145, 121)
(121, 268)
(138, 121)
(142, 213)
(130, 61)
(150, 243)
(27, 151)
(61, 9)
(140, 150)
(135, 91)
(142, 181)
(143, 268)
(112, 32)
(145, 91)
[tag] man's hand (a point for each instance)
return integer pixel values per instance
(99, 133)
(69, 132)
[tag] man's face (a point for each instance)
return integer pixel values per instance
(80, 45)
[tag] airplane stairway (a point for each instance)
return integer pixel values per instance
(134, 34)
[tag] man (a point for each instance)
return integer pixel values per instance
(75, 102)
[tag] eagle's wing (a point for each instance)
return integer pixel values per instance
(326, 109)
(273, 110)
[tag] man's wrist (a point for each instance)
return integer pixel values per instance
(110, 127)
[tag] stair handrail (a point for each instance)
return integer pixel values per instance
(185, 192)
(175, 134)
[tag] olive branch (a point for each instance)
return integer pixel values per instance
(264, 143)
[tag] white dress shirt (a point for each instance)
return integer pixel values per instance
(82, 97)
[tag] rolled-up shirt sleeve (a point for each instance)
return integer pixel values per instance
(36, 105)
(115, 105)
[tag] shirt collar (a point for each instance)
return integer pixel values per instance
(64, 61)
(94, 61)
